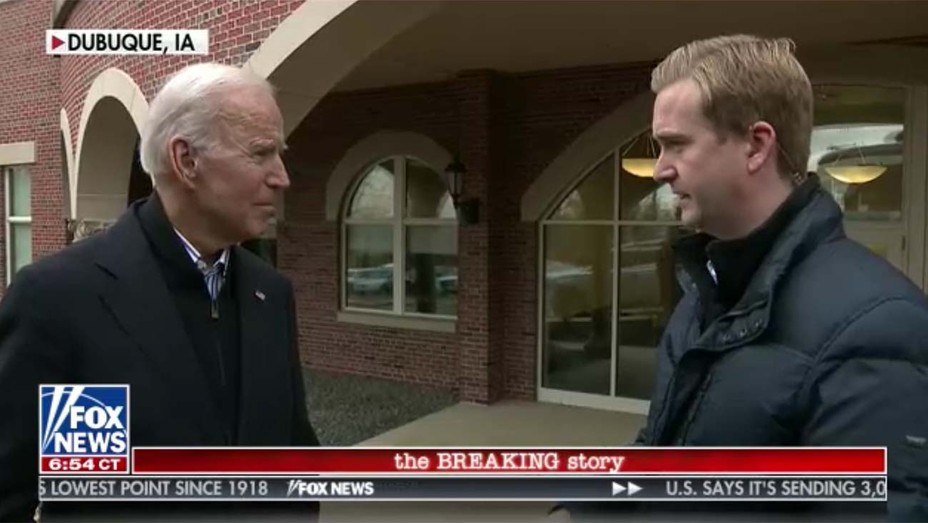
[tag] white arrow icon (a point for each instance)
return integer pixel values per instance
(619, 488)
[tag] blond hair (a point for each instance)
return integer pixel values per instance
(744, 79)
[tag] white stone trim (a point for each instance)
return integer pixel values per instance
(116, 84)
(112, 83)
(70, 191)
(629, 119)
(397, 322)
(321, 42)
(17, 153)
(293, 32)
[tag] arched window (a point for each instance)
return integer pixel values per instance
(599, 331)
(399, 241)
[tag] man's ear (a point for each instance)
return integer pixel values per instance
(183, 160)
(762, 145)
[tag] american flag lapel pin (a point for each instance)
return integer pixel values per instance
(259, 295)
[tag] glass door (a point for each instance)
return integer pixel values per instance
(859, 152)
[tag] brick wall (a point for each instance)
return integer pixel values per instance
(507, 129)
(308, 244)
(34, 86)
(481, 366)
(29, 111)
(236, 30)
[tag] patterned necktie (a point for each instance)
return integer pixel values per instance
(214, 276)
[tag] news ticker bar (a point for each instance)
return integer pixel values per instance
(467, 488)
(593, 461)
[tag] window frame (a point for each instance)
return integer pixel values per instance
(10, 219)
(399, 224)
(615, 223)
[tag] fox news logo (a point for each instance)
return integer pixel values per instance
(326, 489)
(84, 420)
(127, 41)
(296, 485)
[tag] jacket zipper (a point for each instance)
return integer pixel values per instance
(694, 407)
(214, 314)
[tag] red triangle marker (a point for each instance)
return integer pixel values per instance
(56, 42)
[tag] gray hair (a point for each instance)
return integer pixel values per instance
(187, 106)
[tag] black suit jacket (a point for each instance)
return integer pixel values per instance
(99, 312)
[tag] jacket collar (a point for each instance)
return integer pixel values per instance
(138, 298)
(140, 301)
(818, 221)
(167, 244)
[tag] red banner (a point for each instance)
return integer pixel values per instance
(637, 460)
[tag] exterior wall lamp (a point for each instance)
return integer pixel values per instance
(468, 210)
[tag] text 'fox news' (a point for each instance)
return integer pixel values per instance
(84, 428)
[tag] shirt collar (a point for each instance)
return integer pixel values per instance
(198, 258)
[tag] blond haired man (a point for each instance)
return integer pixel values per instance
(788, 333)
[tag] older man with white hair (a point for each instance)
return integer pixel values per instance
(166, 301)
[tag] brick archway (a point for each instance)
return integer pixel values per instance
(308, 36)
(114, 110)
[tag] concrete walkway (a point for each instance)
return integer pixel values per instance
(515, 423)
(502, 424)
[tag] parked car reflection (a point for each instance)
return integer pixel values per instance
(370, 280)
(580, 318)
(379, 280)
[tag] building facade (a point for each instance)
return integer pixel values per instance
(471, 205)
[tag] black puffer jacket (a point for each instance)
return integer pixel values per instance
(828, 346)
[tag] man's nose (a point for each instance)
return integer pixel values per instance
(663, 172)
(279, 177)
